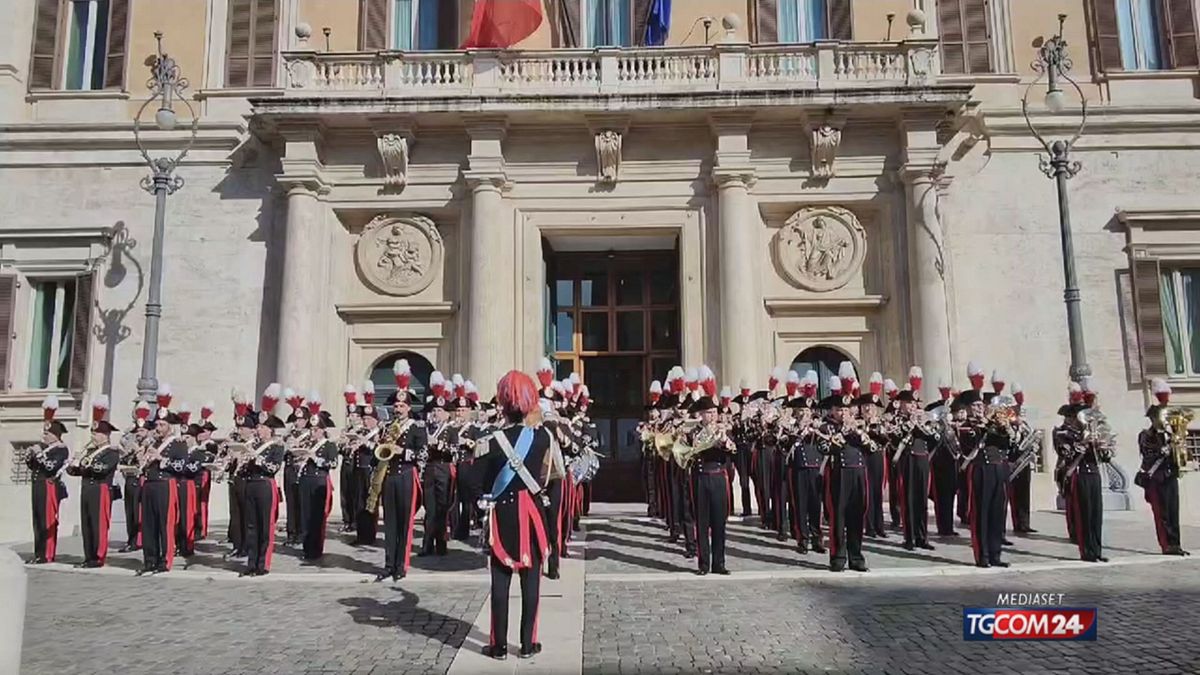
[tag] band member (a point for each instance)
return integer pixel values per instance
(95, 467)
(845, 480)
(776, 474)
(362, 456)
(985, 445)
(741, 458)
(45, 463)
(1082, 454)
(889, 439)
(514, 466)
(244, 423)
(801, 445)
(870, 408)
(682, 504)
(131, 447)
(916, 441)
(297, 437)
(943, 465)
(316, 487)
(438, 478)
(713, 447)
(206, 454)
(187, 473)
(648, 469)
(161, 466)
(400, 493)
(1159, 475)
(346, 482)
(1020, 480)
(467, 432)
(262, 491)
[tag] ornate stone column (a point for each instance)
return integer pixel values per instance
(491, 291)
(741, 299)
(928, 264)
(301, 294)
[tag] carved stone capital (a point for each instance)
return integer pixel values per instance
(303, 183)
(734, 176)
(916, 173)
(487, 180)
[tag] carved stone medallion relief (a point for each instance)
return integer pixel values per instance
(820, 248)
(399, 255)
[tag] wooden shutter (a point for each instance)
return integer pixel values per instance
(1106, 36)
(566, 23)
(118, 44)
(840, 13)
(448, 25)
(373, 25)
(1148, 308)
(767, 19)
(81, 332)
(641, 17)
(1180, 20)
(43, 65)
(965, 36)
(8, 301)
(262, 66)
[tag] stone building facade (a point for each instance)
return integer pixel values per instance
(785, 182)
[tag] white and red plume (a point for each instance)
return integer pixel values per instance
(545, 373)
(875, 383)
(792, 385)
(313, 403)
(847, 375)
(270, 397)
(691, 379)
(460, 385)
(809, 384)
(998, 381)
(975, 375)
(437, 384)
(777, 376)
(206, 410)
(49, 407)
(726, 396)
(1074, 393)
(350, 395)
(1161, 390)
(655, 391)
(472, 391)
(835, 385)
(368, 392)
(142, 411)
(185, 413)
(99, 408)
(163, 395)
(708, 381)
(944, 389)
(915, 379)
(890, 388)
(745, 387)
(1018, 393)
(403, 374)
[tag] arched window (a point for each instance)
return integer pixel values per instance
(385, 379)
(824, 360)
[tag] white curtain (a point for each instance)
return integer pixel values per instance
(1138, 26)
(608, 23)
(402, 25)
(1170, 314)
(802, 21)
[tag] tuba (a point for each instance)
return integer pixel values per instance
(1177, 420)
(1097, 432)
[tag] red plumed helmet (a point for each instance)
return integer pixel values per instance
(975, 375)
(460, 385)
(915, 378)
(437, 384)
(1018, 393)
(516, 392)
(313, 403)
(185, 413)
(49, 407)
(403, 373)
(142, 411)
(163, 395)
(206, 410)
(793, 383)
(270, 397)
(708, 381)
(545, 373)
(368, 392)
(998, 381)
(655, 391)
(876, 383)
(472, 392)
(99, 408)
(293, 399)
(776, 376)
(944, 390)
(1162, 391)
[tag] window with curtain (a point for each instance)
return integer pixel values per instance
(416, 25)
(1140, 27)
(51, 334)
(1179, 293)
(87, 45)
(607, 23)
(802, 21)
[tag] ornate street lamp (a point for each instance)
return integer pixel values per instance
(166, 87)
(1053, 64)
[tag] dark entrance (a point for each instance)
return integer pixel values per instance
(824, 360)
(613, 317)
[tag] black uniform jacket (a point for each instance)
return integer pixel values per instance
(516, 521)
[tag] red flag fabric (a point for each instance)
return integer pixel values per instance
(499, 24)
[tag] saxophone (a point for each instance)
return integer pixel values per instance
(384, 452)
(1177, 420)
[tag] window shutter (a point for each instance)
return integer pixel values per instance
(1107, 36)
(1181, 33)
(950, 33)
(841, 23)
(767, 15)
(262, 70)
(977, 35)
(641, 17)
(373, 25)
(43, 64)
(1148, 308)
(81, 331)
(118, 39)
(567, 15)
(8, 298)
(448, 26)
(237, 59)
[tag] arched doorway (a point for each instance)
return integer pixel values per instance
(385, 379)
(824, 360)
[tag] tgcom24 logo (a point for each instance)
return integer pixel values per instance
(1041, 623)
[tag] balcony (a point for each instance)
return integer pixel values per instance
(821, 67)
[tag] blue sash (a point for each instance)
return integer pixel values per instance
(521, 449)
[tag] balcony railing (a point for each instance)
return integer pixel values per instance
(820, 66)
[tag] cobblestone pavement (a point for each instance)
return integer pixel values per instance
(79, 623)
(881, 624)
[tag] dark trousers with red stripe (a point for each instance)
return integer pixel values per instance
(682, 507)
(262, 504)
(203, 489)
(346, 493)
(1088, 511)
(764, 471)
(894, 492)
(1018, 499)
(185, 517)
(399, 500)
(160, 503)
(291, 498)
(466, 499)
(874, 461)
(1164, 502)
(316, 499)
(95, 516)
(846, 499)
(436, 491)
(712, 508)
(986, 510)
(912, 484)
(556, 510)
(945, 489)
(963, 482)
(779, 495)
(45, 518)
(662, 474)
(237, 514)
(132, 496)
(805, 495)
(741, 464)
(649, 481)
(531, 582)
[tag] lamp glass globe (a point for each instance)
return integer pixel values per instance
(1056, 100)
(165, 119)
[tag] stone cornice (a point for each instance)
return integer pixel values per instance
(293, 182)
(823, 306)
(379, 312)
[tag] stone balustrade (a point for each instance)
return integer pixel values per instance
(825, 65)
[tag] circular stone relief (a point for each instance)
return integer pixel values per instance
(821, 248)
(399, 255)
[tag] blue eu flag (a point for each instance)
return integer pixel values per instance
(659, 23)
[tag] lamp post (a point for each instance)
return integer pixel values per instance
(1053, 64)
(166, 86)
